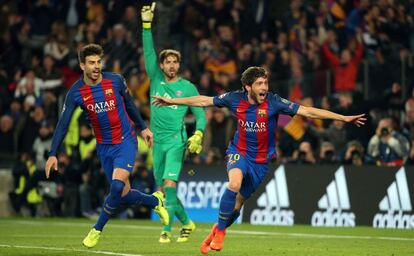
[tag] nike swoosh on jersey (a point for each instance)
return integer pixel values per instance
(87, 97)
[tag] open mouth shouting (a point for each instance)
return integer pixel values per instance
(261, 96)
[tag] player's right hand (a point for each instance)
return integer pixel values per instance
(161, 101)
(51, 163)
(147, 13)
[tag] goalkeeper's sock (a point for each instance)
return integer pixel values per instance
(111, 204)
(170, 205)
(180, 212)
(136, 197)
(227, 203)
(233, 218)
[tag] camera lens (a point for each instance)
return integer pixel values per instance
(384, 131)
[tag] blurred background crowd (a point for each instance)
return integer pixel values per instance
(348, 56)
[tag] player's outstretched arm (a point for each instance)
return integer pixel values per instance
(310, 112)
(197, 101)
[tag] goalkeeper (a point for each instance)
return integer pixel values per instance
(167, 124)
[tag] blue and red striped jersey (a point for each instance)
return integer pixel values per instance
(255, 137)
(109, 109)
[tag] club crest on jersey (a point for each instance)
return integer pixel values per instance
(262, 112)
(240, 110)
(109, 92)
(178, 93)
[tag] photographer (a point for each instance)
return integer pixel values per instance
(354, 154)
(304, 155)
(327, 153)
(388, 147)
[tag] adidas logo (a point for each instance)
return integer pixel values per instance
(334, 203)
(395, 203)
(273, 200)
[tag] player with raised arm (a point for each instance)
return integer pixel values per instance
(105, 99)
(253, 145)
(170, 135)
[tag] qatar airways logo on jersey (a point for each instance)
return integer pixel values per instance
(103, 106)
(252, 126)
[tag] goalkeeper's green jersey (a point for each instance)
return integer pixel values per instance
(167, 122)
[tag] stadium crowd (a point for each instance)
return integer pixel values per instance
(349, 56)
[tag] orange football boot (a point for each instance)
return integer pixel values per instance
(218, 240)
(205, 245)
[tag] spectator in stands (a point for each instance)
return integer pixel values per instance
(28, 128)
(327, 154)
(42, 145)
(7, 146)
(304, 155)
(336, 134)
(354, 153)
(388, 147)
(119, 50)
(30, 84)
(21, 172)
(51, 76)
(345, 67)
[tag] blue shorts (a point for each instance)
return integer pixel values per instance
(253, 173)
(117, 156)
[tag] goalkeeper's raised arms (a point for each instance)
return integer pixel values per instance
(147, 15)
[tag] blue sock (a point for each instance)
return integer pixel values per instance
(233, 218)
(111, 204)
(135, 197)
(227, 203)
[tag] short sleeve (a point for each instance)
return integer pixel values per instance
(284, 106)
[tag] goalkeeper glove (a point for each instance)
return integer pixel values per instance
(194, 142)
(147, 15)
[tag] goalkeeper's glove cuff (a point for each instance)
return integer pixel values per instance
(146, 25)
(199, 133)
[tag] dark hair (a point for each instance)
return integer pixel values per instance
(89, 50)
(167, 52)
(251, 74)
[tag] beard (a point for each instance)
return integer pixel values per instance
(170, 73)
(257, 97)
(93, 76)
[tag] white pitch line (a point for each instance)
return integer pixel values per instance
(242, 232)
(239, 232)
(66, 249)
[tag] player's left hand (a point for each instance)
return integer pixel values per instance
(358, 120)
(147, 13)
(148, 137)
(194, 142)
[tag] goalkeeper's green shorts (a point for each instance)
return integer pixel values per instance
(168, 161)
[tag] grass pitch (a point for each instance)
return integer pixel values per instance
(22, 236)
